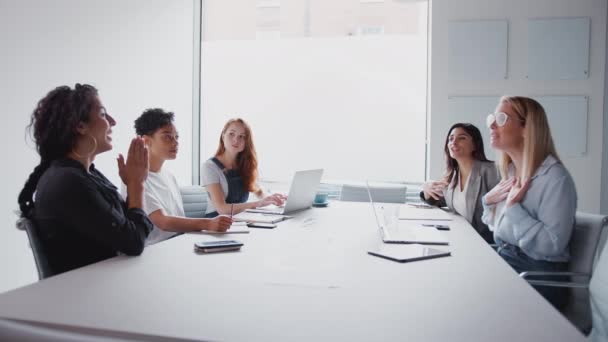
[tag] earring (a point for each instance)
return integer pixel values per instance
(89, 153)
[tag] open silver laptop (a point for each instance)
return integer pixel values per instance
(301, 193)
(400, 231)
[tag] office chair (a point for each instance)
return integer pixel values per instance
(599, 298)
(380, 193)
(40, 257)
(195, 200)
(584, 245)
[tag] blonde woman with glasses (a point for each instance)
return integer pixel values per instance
(531, 211)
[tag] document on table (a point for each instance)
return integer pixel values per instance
(407, 212)
(259, 217)
(229, 231)
(235, 228)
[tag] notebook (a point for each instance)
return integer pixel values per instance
(246, 216)
(301, 194)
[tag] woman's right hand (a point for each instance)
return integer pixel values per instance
(276, 199)
(219, 223)
(434, 189)
(500, 192)
(135, 169)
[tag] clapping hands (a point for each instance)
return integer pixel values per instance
(434, 189)
(135, 168)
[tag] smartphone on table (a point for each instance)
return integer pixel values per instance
(218, 246)
(261, 225)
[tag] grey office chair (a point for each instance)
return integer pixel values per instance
(380, 193)
(599, 298)
(600, 245)
(583, 252)
(195, 200)
(40, 257)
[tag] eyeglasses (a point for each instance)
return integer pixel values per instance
(500, 118)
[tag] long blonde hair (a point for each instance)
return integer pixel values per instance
(538, 143)
(246, 160)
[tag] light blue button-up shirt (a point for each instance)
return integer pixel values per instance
(542, 223)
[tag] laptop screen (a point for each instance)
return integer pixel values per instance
(371, 200)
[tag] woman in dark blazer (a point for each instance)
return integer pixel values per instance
(79, 216)
(469, 176)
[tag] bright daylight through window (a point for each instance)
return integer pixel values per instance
(339, 85)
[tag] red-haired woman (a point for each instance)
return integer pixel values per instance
(232, 173)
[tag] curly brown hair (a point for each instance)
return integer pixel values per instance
(53, 126)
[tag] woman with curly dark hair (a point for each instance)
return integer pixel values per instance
(79, 215)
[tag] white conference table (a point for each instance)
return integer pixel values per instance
(308, 279)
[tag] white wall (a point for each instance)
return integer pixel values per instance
(138, 53)
(586, 170)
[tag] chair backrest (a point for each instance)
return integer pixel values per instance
(382, 194)
(583, 245)
(195, 200)
(584, 241)
(40, 256)
(600, 246)
(598, 289)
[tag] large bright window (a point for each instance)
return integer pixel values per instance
(339, 85)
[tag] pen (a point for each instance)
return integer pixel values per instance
(420, 206)
(438, 226)
(231, 209)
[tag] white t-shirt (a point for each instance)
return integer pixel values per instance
(161, 191)
(459, 201)
(212, 174)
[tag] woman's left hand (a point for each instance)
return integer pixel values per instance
(517, 192)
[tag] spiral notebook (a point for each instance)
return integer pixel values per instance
(247, 216)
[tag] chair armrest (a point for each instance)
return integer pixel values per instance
(556, 283)
(552, 283)
(527, 274)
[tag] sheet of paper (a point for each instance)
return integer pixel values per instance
(407, 212)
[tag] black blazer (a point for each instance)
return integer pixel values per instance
(81, 218)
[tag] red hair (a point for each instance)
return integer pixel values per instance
(246, 160)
